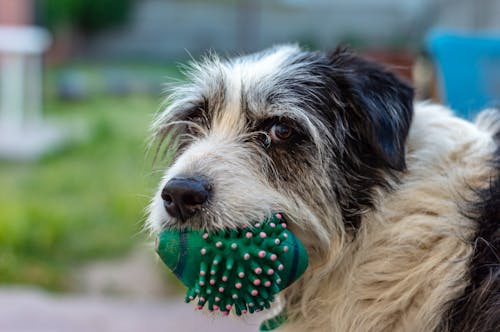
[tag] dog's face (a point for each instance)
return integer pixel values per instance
(308, 134)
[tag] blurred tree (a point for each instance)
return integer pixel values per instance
(85, 16)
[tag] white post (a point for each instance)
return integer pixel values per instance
(21, 49)
(23, 133)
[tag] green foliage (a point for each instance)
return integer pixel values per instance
(82, 203)
(85, 15)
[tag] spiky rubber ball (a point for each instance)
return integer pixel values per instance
(234, 270)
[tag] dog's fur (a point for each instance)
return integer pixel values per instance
(398, 205)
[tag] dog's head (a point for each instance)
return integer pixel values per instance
(312, 135)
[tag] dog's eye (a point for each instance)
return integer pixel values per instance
(280, 132)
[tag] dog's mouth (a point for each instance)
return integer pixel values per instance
(201, 224)
(239, 269)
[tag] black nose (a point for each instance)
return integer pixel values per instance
(183, 196)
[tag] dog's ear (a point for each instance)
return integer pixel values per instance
(380, 106)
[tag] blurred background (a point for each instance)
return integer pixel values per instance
(80, 81)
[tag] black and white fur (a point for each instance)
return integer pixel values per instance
(397, 204)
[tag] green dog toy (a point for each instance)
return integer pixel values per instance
(238, 270)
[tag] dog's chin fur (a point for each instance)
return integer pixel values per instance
(397, 204)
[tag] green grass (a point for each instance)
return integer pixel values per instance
(84, 202)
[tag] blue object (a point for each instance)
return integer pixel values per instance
(468, 68)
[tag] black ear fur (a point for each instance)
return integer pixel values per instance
(381, 106)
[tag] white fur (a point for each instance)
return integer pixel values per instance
(411, 254)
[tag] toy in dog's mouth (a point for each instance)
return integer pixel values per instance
(240, 270)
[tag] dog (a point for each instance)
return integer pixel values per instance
(397, 202)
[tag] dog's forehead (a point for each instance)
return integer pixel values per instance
(257, 69)
(232, 96)
(243, 86)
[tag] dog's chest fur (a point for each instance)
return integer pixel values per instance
(410, 257)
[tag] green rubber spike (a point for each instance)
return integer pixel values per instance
(240, 270)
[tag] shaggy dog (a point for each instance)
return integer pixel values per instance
(397, 204)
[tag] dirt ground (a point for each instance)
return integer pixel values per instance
(31, 310)
(127, 294)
